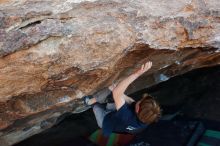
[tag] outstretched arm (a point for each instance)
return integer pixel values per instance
(127, 99)
(119, 90)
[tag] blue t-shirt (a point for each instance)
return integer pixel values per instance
(124, 120)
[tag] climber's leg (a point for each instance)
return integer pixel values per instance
(102, 96)
(100, 112)
(110, 107)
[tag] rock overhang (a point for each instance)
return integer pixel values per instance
(54, 52)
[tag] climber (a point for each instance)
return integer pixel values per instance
(124, 115)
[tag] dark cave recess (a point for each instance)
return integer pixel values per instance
(195, 94)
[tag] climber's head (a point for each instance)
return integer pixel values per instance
(147, 109)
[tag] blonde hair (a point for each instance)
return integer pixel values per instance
(149, 110)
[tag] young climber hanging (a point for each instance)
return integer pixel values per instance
(124, 115)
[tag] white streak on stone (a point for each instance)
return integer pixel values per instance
(163, 77)
(177, 62)
(217, 38)
(164, 66)
(67, 5)
(63, 79)
(215, 41)
(218, 50)
(160, 78)
(64, 99)
(79, 94)
(51, 45)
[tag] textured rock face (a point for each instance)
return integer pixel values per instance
(53, 52)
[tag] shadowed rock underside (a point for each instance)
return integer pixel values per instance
(52, 53)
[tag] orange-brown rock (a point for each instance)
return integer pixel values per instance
(56, 51)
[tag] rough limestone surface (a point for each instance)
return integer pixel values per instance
(53, 52)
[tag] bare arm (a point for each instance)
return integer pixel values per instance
(119, 90)
(127, 99)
